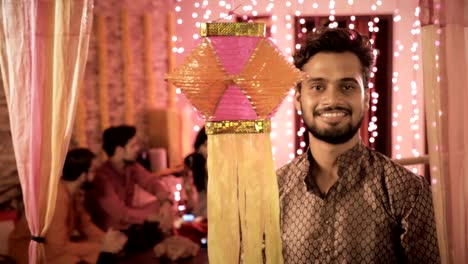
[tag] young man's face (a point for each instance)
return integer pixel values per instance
(333, 99)
(130, 151)
(92, 170)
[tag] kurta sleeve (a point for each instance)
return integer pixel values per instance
(150, 182)
(419, 236)
(85, 224)
(58, 238)
(110, 202)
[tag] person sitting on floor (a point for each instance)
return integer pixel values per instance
(71, 237)
(109, 198)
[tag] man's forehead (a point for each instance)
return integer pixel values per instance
(333, 61)
(312, 78)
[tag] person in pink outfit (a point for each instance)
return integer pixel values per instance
(109, 198)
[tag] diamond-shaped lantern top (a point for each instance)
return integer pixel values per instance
(235, 73)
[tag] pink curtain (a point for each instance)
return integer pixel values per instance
(43, 45)
(445, 54)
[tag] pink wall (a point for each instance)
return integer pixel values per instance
(403, 142)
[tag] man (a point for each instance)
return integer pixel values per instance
(71, 237)
(109, 198)
(342, 202)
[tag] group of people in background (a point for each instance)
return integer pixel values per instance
(95, 219)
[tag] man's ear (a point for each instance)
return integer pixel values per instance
(366, 99)
(118, 150)
(297, 100)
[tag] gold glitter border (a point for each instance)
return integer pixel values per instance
(232, 29)
(238, 127)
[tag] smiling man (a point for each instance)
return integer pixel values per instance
(342, 202)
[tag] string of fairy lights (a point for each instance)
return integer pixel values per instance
(190, 14)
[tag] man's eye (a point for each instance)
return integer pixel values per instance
(317, 87)
(347, 87)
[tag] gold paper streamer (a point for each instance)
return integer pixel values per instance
(232, 29)
(127, 63)
(171, 57)
(238, 127)
(273, 243)
(224, 226)
(244, 201)
(148, 43)
(102, 55)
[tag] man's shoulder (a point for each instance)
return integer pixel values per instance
(404, 188)
(62, 192)
(395, 175)
(105, 168)
(290, 170)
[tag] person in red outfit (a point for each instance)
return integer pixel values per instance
(71, 237)
(109, 198)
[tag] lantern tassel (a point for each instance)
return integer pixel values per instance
(243, 196)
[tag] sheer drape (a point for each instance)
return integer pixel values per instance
(43, 45)
(445, 52)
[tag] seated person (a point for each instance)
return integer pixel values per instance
(109, 198)
(196, 162)
(183, 191)
(71, 237)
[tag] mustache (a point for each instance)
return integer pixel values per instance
(331, 108)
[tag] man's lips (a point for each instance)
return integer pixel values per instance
(332, 112)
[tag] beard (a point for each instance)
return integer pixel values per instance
(335, 135)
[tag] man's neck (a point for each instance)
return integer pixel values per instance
(325, 167)
(326, 154)
(118, 164)
(71, 186)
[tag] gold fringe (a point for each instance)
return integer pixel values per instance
(223, 206)
(242, 195)
(232, 29)
(251, 178)
(127, 64)
(238, 127)
(273, 245)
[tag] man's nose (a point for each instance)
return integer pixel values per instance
(331, 95)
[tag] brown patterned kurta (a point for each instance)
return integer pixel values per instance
(377, 212)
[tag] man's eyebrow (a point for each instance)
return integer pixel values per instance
(310, 80)
(353, 80)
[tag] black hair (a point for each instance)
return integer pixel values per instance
(197, 163)
(117, 136)
(77, 161)
(200, 139)
(337, 40)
